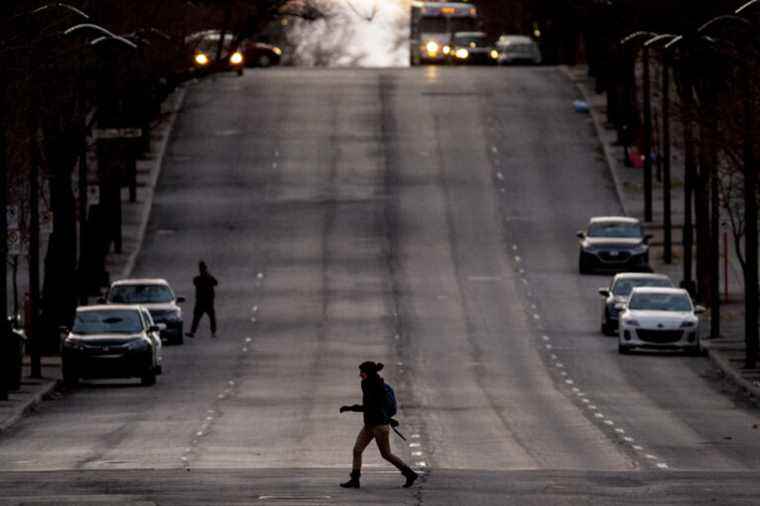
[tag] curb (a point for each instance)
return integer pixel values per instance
(608, 151)
(148, 204)
(724, 365)
(28, 406)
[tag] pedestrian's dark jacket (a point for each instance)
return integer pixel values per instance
(373, 400)
(204, 289)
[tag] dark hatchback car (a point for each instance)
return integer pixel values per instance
(472, 48)
(618, 292)
(616, 243)
(203, 48)
(260, 54)
(112, 342)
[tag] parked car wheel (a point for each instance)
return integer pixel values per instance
(606, 330)
(70, 376)
(148, 379)
(583, 265)
(179, 337)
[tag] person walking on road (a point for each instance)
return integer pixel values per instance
(204, 299)
(376, 424)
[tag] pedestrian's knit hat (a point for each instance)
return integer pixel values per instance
(370, 367)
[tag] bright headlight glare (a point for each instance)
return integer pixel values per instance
(201, 59)
(462, 53)
(494, 54)
(432, 47)
(277, 51)
(236, 58)
(446, 49)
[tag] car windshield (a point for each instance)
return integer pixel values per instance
(614, 229)
(108, 321)
(623, 287)
(140, 294)
(660, 302)
(433, 25)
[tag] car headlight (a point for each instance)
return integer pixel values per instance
(138, 345)
(462, 53)
(201, 59)
(688, 324)
(72, 342)
(446, 49)
(236, 58)
(277, 51)
(494, 54)
(630, 322)
(640, 249)
(432, 47)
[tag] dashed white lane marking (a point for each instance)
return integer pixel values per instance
(253, 319)
(662, 465)
(620, 431)
(650, 456)
(518, 259)
(628, 439)
(414, 445)
(199, 433)
(570, 382)
(609, 422)
(598, 415)
(260, 275)
(548, 346)
(536, 316)
(553, 356)
(276, 152)
(563, 373)
(545, 338)
(274, 165)
(638, 448)
(247, 339)
(560, 365)
(494, 149)
(500, 176)
(422, 463)
(514, 247)
(586, 400)
(592, 407)
(416, 454)
(255, 308)
(244, 350)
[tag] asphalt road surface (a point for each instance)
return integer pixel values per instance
(423, 218)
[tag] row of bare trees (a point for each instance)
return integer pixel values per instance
(69, 70)
(697, 72)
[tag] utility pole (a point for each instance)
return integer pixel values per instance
(667, 254)
(647, 138)
(3, 246)
(34, 255)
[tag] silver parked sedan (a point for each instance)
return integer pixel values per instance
(618, 292)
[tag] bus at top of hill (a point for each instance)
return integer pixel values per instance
(432, 25)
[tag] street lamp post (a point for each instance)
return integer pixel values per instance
(647, 119)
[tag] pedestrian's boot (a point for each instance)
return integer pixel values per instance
(410, 476)
(354, 481)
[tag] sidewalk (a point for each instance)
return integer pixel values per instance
(727, 352)
(134, 222)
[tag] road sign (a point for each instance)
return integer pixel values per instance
(118, 133)
(11, 216)
(93, 194)
(46, 221)
(14, 241)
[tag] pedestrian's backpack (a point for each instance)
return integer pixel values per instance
(390, 407)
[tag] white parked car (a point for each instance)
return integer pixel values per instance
(518, 49)
(659, 318)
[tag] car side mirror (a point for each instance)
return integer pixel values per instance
(699, 309)
(604, 292)
(180, 300)
(580, 234)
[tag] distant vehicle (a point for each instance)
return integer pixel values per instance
(432, 25)
(204, 46)
(613, 243)
(158, 297)
(472, 48)
(109, 341)
(518, 49)
(659, 318)
(618, 292)
(259, 54)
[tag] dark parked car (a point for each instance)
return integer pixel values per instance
(109, 341)
(260, 54)
(158, 297)
(203, 47)
(518, 49)
(472, 48)
(619, 290)
(613, 243)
